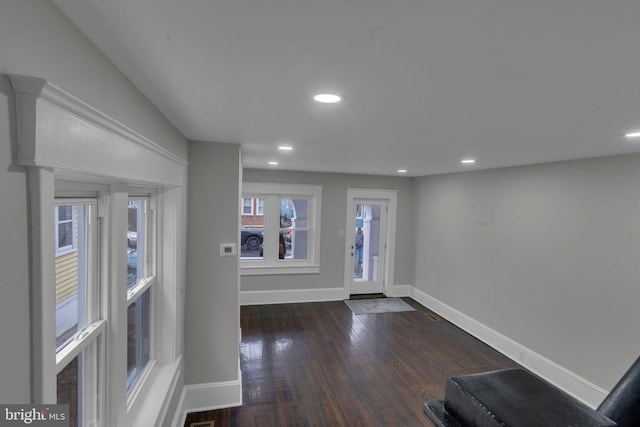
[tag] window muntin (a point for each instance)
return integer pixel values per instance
(289, 229)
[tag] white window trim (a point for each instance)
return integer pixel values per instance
(290, 266)
(60, 138)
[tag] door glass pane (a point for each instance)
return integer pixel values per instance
(71, 275)
(366, 242)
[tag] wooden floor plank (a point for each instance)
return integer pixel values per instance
(318, 364)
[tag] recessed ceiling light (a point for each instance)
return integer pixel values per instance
(285, 147)
(273, 163)
(633, 135)
(327, 98)
(468, 161)
(402, 171)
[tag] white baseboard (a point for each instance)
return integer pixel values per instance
(291, 296)
(400, 291)
(562, 378)
(207, 397)
(310, 295)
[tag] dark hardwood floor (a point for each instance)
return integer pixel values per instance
(317, 364)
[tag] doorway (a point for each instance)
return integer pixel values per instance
(369, 230)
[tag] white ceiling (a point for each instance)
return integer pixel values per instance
(426, 82)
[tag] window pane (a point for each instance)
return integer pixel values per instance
(287, 212)
(65, 234)
(65, 213)
(302, 223)
(294, 213)
(69, 389)
(71, 278)
(138, 327)
(246, 206)
(260, 206)
(294, 223)
(251, 243)
(297, 245)
(252, 232)
(135, 242)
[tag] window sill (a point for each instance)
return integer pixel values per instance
(263, 270)
(158, 393)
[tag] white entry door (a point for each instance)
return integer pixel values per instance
(369, 225)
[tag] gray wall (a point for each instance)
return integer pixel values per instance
(334, 213)
(212, 312)
(36, 39)
(548, 255)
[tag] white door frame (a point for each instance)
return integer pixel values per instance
(391, 198)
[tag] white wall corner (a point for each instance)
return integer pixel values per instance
(564, 379)
(207, 397)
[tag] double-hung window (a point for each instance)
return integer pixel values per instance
(105, 325)
(79, 324)
(140, 281)
(285, 236)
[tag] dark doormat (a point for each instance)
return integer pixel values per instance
(366, 296)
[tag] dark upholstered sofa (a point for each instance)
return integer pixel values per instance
(517, 398)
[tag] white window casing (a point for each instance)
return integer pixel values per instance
(72, 149)
(271, 193)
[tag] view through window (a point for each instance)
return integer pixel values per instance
(279, 228)
(77, 309)
(139, 288)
